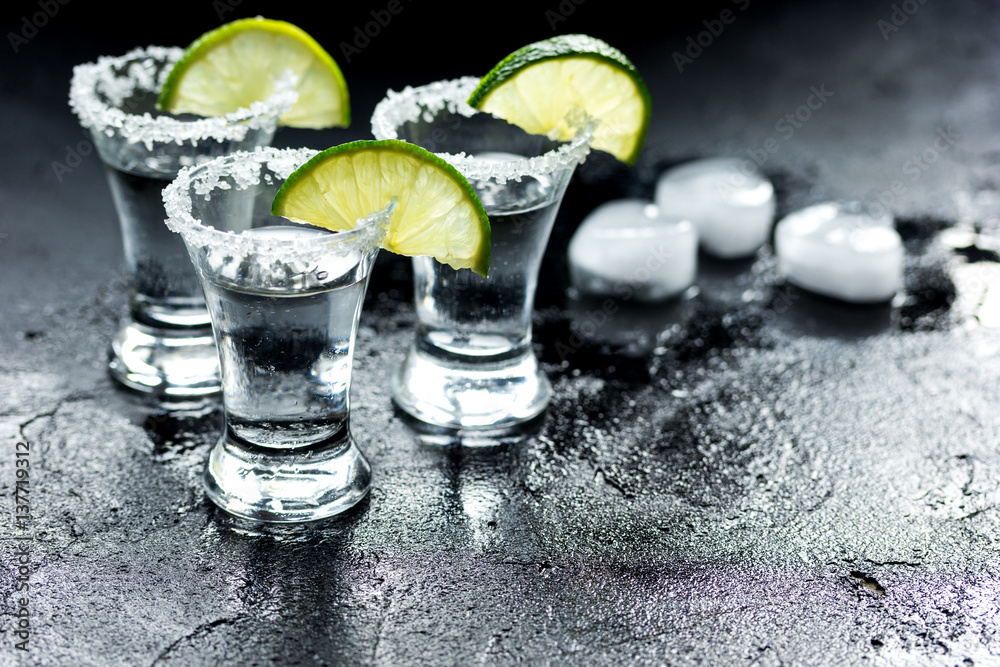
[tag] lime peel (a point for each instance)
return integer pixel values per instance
(536, 87)
(237, 63)
(437, 212)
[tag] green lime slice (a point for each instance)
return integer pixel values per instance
(437, 212)
(538, 85)
(236, 64)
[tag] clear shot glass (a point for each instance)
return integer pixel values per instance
(165, 347)
(285, 300)
(471, 365)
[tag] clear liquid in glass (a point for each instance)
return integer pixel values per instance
(286, 353)
(166, 347)
(164, 290)
(285, 333)
(471, 364)
(462, 314)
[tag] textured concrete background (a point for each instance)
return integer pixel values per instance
(750, 476)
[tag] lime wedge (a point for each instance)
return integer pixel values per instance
(236, 64)
(538, 85)
(437, 212)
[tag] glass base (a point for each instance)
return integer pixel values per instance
(285, 486)
(489, 397)
(171, 364)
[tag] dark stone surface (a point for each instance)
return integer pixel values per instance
(751, 476)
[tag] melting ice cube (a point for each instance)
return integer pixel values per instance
(730, 203)
(627, 248)
(839, 250)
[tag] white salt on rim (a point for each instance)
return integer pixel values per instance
(98, 88)
(424, 102)
(244, 169)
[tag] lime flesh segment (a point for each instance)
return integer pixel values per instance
(538, 86)
(437, 212)
(237, 64)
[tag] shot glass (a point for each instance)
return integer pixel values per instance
(165, 348)
(285, 300)
(471, 365)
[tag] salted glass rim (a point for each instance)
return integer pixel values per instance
(108, 77)
(243, 167)
(413, 104)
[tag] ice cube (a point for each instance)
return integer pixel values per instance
(626, 248)
(730, 203)
(840, 250)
